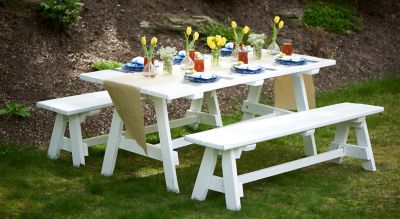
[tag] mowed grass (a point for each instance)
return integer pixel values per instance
(31, 185)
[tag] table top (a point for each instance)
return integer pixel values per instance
(182, 88)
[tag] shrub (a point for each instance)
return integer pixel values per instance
(337, 17)
(15, 109)
(104, 65)
(61, 13)
(225, 31)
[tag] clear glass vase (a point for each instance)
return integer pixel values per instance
(149, 70)
(187, 64)
(167, 66)
(235, 52)
(257, 51)
(273, 48)
(215, 58)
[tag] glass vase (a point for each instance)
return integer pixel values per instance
(149, 70)
(167, 65)
(215, 58)
(235, 52)
(187, 64)
(257, 51)
(273, 48)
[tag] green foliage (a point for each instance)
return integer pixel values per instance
(104, 65)
(15, 109)
(225, 31)
(61, 13)
(337, 17)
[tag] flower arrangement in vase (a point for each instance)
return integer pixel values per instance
(187, 63)
(277, 24)
(215, 43)
(257, 41)
(238, 37)
(166, 54)
(149, 69)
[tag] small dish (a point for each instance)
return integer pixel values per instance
(247, 69)
(201, 77)
(291, 60)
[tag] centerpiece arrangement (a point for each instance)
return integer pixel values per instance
(149, 69)
(215, 43)
(257, 41)
(277, 24)
(187, 63)
(166, 54)
(238, 37)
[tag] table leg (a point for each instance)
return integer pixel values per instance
(195, 106)
(213, 107)
(252, 97)
(113, 142)
(166, 145)
(302, 105)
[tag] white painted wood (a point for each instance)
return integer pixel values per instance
(178, 143)
(195, 109)
(252, 97)
(232, 185)
(364, 141)
(259, 129)
(113, 143)
(356, 151)
(290, 166)
(166, 144)
(78, 157)
(217, 185)
(213, 107)
(188, 120)
(77, 104)
(341, 135)
(56, 140)
(205, 175)
(262, 109)
(256, 83)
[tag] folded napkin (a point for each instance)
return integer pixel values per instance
(182, 53)
(205, 75)
(125, 95)
(229, 46)
(249, 67)
(138, 60)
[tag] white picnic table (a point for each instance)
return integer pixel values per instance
(163, 93)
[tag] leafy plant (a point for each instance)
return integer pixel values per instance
(61, 13)
(104, 65)
(16, 109)
(336, 16)
(218, 29)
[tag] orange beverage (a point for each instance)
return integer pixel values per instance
(145, 60)
(243, 56)
(199, 64)
(191, 53)
(287, 48)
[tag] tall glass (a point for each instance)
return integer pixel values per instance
(287, 47)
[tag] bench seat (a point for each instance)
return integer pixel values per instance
(73, 110)
(229, 140)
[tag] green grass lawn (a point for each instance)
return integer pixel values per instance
(31, 185)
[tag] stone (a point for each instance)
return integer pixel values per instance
(292, 16)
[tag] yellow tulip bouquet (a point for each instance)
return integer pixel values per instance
(215, 43)
(277, 25)
(188, 64)
(238, 36)
(148, 53)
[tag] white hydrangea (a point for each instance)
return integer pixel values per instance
(166, 52)
(256, 39)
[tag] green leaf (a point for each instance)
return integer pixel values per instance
(4, 111)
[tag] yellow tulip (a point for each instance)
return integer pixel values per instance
(280, 24)
(196, 36)
(153, 41)
(277, 19)
(233, 24)
(143, 40)
(218, 37)
(223, 41)
(188, 31)
(212, 45)
(246, 29)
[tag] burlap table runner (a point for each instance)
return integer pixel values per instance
(125, 94)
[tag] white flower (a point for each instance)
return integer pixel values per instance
(166, 52)
(256, 39)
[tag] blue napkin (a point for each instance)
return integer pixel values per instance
(178, 58)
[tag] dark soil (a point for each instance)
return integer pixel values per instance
(37, 63)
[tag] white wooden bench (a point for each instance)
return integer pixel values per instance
(230, 140)
(73, 110)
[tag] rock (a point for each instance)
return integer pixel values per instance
(292, 16)
(144, 24)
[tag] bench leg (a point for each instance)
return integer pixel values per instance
(300, 94)
(78, 156)
(232, 186)
(113, 142)
(213, 107)
(341, 135)
(205, 174)
(252, 97)
(364, 141)
(57, 136)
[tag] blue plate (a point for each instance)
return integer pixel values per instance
(133, 67)
(302, 61)
(226, 52)
(247, 71)
(201, 80)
